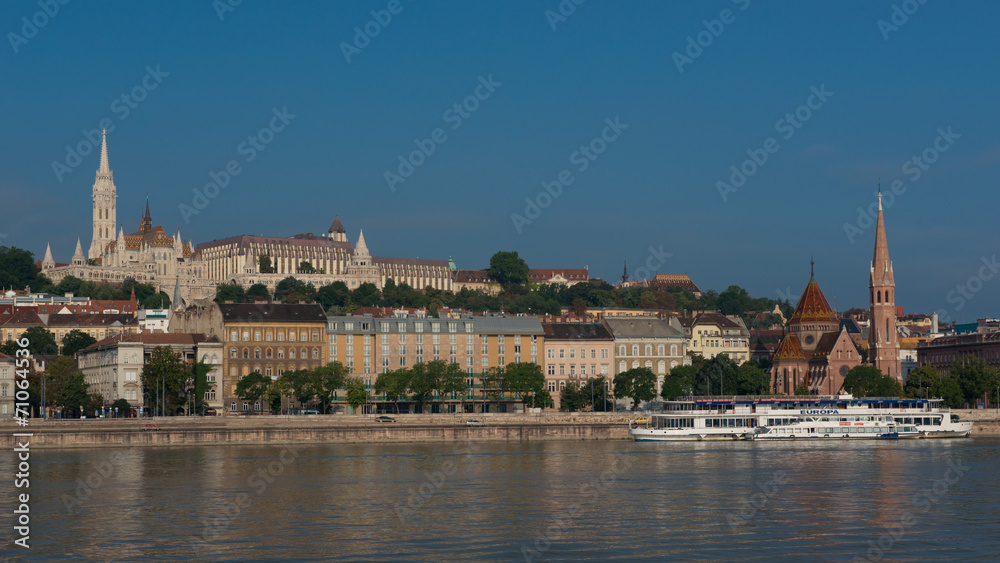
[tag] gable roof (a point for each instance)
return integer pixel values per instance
(813, 306)
(641, 327)
(789, 349)
(273, 312)
(576, 331)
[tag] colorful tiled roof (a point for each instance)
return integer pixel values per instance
(789, 349)
(813, 306)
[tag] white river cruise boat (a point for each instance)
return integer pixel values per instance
(813, 417)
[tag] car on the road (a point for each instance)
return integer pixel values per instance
(473, 422)
(384, 419)
(210, 412)
(150, 427)
(309, 411)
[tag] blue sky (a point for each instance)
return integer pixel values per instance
(891, 93)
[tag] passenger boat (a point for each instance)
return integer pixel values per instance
(814, 417)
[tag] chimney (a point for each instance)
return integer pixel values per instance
(934, 323)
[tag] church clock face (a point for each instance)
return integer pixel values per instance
(809, 340)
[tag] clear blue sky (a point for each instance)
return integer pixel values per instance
(654, 185)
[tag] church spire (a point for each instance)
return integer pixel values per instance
(48, 262)
(78, 258)
(147, 220)
(883, 342)
(105, 168)
(625, 272)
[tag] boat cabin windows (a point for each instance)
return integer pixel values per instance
(730, 422)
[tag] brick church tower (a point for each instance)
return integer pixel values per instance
(883, 340)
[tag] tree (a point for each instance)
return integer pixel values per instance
(264, 264)
(802, 389)
(422, 384)
(306, 268)
(679, 382)
(638, 384)
(17, 268)
(541, 400)
(453, 381)
(334, 295)
(328, 379)
(40, 341)
(868, 381)
(718, 375)
(124, 408)
(225, 292)
(571, 397)
(733, 301)
(525, 379)
(393, 385)
(366, 295)
(923, 382)
(253, 386)
(975, 377)
(579, 307)
(73, 396)
(56, 374)
(508, 269)
(257, 291)
(357, 394)
(752, 380)
(163, 377)
(76, 340)
(601, 401)
(301, 385)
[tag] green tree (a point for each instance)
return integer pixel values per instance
(164, 371)
(733, 301)
(257, 291)
(571, 397)
(923, 382)
(76, 340)
(453, 382)
(524, 379)
(601, 401)
(393, 385)
(253, 386)
(718, 376)
(508, 269)
(328, 379)
(366, 295)
(124, 408)
(540, 400)
(56, 374)
(679, 382)
(334, 295)
(422, 384)
(73, 396)
(975, 377)
(752, 380)
(301, 385)
(199, 372)
(306, 268)
(226, 292)
(637, 384)
(802, 389)
(357, 393)
(40, 341)
(17, 268)
(264, 264)
(868, 381)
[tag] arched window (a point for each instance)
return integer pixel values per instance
(256, 353)
(661, 367)
(878, 296)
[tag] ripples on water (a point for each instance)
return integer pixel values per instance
(495, 501)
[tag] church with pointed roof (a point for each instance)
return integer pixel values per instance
(816, 351)
(148, 255)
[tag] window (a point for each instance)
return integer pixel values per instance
(621, 350)
(268, 336)
(246, 335)
(649, 350)
(315, 353)
(635, 349)
(291, 353)
(562, 353)
(281, 353)
(232, 352)
(418, 327)
(452, 327)
(268, 353)
(660, 349)
(552, 369)
(435, 327)
(673, 349)
(246, 353)
(256, 353)
(234, 335)
(572, 353)
(604, 352)
(281, 337)
(256, 336)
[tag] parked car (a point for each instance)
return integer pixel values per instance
(474, 423)
(309, 411)
(210, 412)
(384, 419)
(150, 427)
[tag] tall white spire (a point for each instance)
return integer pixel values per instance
(78, 258)
(48, 262)
(361, 249)
(105, 200)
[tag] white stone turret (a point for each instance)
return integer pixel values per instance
(78, 258)
(48, 263)
(105, 199)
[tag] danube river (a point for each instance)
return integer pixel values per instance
(499, 501)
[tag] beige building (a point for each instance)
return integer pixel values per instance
(649, 343)
(99, 326)
(576, 352)
(8, 385)
(269, 338)
(369, 345)
(113, 366)
(711, 334)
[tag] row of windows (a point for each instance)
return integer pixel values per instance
(583, 353)
(269, 353)
(660, 348)
(234, 335)
(572, 369)
(661, 368)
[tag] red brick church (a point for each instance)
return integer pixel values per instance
(816, 351)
